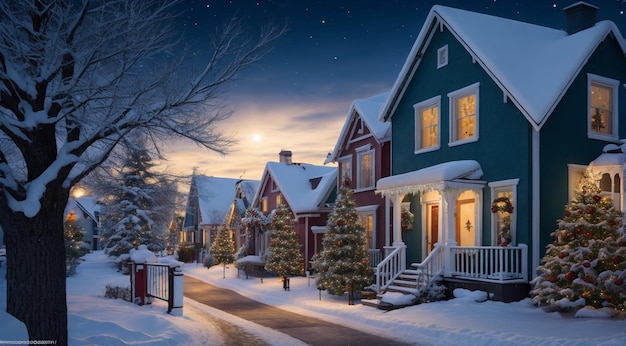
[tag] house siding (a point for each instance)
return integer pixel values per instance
(503, 149)
(564, 136)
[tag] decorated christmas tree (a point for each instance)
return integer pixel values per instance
(223, 248)
(284, 257)
(343, 264)
(585, 265)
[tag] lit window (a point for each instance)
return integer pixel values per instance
(264, 205)
(345, 171)
(427, 124)
(367, 219)
(365, 164)
(602, 115)
(504, 212)
(279, 200)
(464, 115)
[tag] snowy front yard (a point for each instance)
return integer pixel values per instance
(94, 319)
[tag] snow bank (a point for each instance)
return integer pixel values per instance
(142, 255)
(397, 298)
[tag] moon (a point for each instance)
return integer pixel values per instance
(256, 137)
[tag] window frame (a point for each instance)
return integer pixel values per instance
(593, 79)
(365, 211)
(473, 89)
(360, 153)
(504, 186)
(419, 108)
(340, 177)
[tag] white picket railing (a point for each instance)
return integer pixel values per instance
(432, 266)
(375, 257)
(490, 263)
(390, 267)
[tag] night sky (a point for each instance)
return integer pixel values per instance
(335, 51)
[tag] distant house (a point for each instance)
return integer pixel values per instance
(309, 190)
(208, 204)
(490, 112)
(86, 211)
(244, 193)
(363, 152)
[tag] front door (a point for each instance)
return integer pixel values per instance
(466, 222)
(433, 226)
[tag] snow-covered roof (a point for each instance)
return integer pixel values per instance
(533, 65)
(88, 204)
(369, 110)
(435, 177)
(612, 155)
(215, 197)
(305, 187)
(249, 188)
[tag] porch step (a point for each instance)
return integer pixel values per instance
(401, 289)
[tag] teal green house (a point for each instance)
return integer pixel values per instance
(493, 123)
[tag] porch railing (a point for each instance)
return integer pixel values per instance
(375, 257)
(432, 267)
(390, 267)
(490, 263)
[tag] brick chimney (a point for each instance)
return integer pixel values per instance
(579, 16)
(285, 156)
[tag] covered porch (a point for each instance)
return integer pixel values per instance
(451, 193)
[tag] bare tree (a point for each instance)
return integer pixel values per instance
(76, 77)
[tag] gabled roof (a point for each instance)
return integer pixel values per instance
(369, 110)
(305, 187)
(249, 188)
(87, 204)
(215, 197)
(533, 65)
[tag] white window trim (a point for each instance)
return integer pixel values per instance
(442, 56)
(614, 85)
(370, 210)
(359, 152)
(504, 185)
(418, 107)
(468, 90)
(346, 158)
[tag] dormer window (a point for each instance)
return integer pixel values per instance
(602, 107)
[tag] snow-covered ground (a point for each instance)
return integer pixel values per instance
(96, 320)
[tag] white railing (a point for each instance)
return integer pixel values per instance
(490, 263)
(390, 267)
(431, 267)
(375, 257)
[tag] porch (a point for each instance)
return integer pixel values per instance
(500, 271)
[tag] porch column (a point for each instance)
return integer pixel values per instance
(387, 221)
(448, 228)
(397, 220)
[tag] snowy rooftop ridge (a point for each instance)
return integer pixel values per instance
(533, 65)
(369, 110)
(215, 196)
(296, 183)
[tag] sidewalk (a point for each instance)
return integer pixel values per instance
(310, 330)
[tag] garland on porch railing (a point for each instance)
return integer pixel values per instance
(406, 220)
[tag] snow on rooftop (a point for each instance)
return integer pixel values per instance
(533, 65)
(369, 110)
(215, 196)
(433, 176)
(295, 183)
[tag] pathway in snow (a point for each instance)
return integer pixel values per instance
(310, 330)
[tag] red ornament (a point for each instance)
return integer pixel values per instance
(570, 275)
(591, 210)
(587, 278)
(586, 264)
(596, 198)
(504, 244)
(340, 243)
(617, 259)
(579, 231)
(609, 299)
(580, 211)
(588, 235)
(584, 192)
(612, 222)
(622, 243)
(619, 282)
(562, 255)
(567, 213)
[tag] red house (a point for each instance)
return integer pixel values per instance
(363, 152)
(307, 189)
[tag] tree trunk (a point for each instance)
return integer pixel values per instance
(36, 270)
